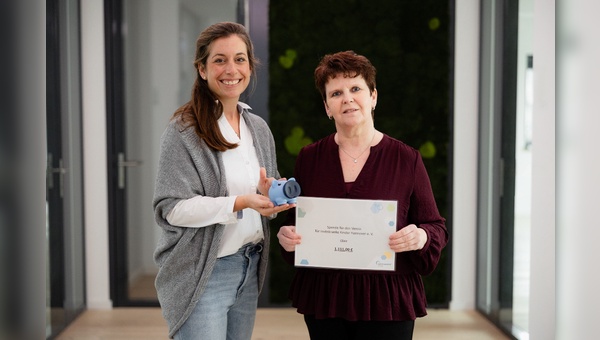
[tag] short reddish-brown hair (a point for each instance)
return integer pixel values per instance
(347, 63)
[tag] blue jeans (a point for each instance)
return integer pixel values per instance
(227, 308)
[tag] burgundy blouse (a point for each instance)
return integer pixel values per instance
(393, 171)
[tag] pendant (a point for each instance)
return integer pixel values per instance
(355, 160)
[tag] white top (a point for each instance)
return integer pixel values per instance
(242, 175)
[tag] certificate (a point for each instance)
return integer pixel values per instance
(345, 233)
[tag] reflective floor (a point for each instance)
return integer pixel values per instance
(271, 324)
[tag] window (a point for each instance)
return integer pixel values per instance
(505, 164)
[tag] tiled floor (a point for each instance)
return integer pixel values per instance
(271, 324)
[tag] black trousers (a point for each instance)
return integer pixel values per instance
(340, 329)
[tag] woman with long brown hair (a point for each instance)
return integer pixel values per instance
(211, 201)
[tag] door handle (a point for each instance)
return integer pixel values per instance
(122, 164)
(50, 171)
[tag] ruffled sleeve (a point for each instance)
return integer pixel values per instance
(424, 213)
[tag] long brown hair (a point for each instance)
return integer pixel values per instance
(203, 110)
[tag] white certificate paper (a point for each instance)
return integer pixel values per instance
(345, 233)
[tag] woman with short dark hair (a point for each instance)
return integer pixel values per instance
(359, 162)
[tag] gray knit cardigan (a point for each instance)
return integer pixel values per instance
(186, 256)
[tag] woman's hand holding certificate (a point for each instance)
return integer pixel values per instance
(408, 238)
(288, 238)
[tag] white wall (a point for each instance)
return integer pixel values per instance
(578, 229)
(94, 155)
(464, 200)
(542, 285)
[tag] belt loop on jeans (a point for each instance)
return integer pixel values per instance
(255, 248)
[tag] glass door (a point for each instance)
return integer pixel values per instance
(64, 180)
(505, 165)
(150, 53)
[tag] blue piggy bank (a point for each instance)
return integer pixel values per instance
(284, 191)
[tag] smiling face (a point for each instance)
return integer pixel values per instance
(227, 69)
(349, 101)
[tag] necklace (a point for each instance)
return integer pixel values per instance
(355, 159)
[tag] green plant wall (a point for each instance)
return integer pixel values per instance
(409, 43)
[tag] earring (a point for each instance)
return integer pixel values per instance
(330, 117)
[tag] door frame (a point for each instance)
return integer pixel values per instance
(115, 99)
